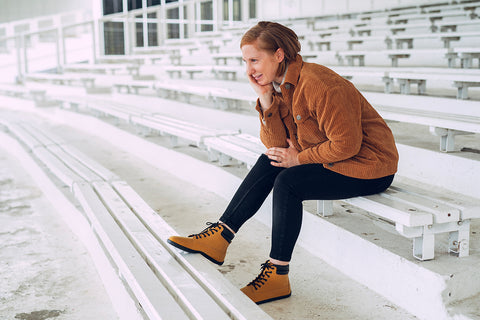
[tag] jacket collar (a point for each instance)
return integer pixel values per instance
(293, 71)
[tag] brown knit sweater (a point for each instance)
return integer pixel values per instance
(329, 122)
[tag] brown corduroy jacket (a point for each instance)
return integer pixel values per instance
(329, 122)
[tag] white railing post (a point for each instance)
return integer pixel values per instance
(25, 53)
(18, 47)
(61, 36)
(94, 31)
(58, 34)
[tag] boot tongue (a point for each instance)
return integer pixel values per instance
(267, 265)
(260, 280)
(205, 232)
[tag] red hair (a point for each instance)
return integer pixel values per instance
(271, 36)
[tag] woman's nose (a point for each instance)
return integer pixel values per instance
(249, 69)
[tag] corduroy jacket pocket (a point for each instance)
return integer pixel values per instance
(308, 131)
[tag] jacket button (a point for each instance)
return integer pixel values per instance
(330, 164)
(287, 86)
(299, 117)
(269, 115)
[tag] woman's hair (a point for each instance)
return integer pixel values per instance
(270, 36)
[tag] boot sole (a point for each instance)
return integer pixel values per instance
(176, 245)
(273, 299)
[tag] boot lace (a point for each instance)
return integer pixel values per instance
(208, 231)
(266, 270)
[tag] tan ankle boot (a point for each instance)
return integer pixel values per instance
(271, 284)
(212, 242)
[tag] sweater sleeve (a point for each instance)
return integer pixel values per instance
(272, 128)
(339, 117)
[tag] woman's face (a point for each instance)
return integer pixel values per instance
(262, 65)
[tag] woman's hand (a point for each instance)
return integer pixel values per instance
(264, 92)
(283, 157)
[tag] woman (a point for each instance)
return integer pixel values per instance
(324, 141)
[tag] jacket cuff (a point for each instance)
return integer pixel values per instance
(272, 114)
(303, 157)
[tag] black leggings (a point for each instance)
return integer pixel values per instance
(290, 187)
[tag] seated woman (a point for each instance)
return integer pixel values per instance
(324, 141)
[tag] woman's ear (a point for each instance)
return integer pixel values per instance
(279, 55)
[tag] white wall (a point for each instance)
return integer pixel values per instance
(11, 10)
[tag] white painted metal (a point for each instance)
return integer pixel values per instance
(153, 298)
(181, 286)
(231, 300)
(76, 166)
(57, 167)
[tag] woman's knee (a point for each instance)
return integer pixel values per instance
(285, 182)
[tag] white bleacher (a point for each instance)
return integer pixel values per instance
(105, 68)
(361, 57)
(461, 81)
(454, 25)
(132, 86)
(445, 37)
(320, 43)
(134, 58)
(158, 278)
(420, 217)
(370, 29)
(177, 129)
(225, 57)
(466, 56)
(242, 148)
(87, 81)
(176, 89)
(37, 95)
(178, 71)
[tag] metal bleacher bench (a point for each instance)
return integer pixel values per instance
(177, 71)
(227, 149)
(222, 98)
(100, 107)
(132, 86)
(446, 37)
(466, 56)
(446, 117)
(394, 55)
(69, 79)
(18, 91)
(175, 88)
(461, 81)
(163, 283)
(177, 129)
(418, 216)
(106, 68)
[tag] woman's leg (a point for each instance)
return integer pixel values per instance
(251, 193)
(310, 182)
(213, 241)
